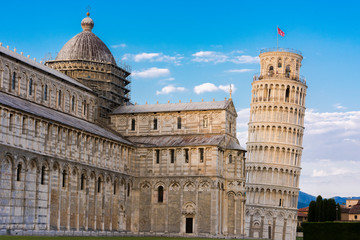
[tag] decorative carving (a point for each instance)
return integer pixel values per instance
(189, 208)
(204, 186)
(175, 187)
(145, 187)
(189, 186)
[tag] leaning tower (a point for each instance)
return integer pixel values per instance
(274, 145)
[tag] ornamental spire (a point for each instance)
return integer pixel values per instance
(230, 91)
(87, 23)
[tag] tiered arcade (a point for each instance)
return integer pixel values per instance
(274, 145)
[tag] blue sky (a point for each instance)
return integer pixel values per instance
(182, 50)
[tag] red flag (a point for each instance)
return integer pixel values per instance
(281, 33)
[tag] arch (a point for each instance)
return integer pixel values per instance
(179, 123)
(189, 208)
(189, 186)
(160, 194)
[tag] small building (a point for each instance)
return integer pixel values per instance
(351, 210)
(302, 215)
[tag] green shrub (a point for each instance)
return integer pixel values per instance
(331, 230)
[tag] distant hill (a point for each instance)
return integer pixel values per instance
(305, 199)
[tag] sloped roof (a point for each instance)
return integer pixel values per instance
(304, 209)
(184, 141)
(59, 117)
(42, 67)
(179, 140)
(173, 107)
(234, 145)
(355, 209)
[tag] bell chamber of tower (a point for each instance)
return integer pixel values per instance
(274, 146)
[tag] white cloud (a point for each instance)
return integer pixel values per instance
(239, 70)
(226, 88)
(330, 160)
(330, 157)
(220, 57)
(153, 72)
(338, 106)
(122, 45)
(245, 59)
(169, 89)
(205, 87)
(145, 56)
(209, 56)
(166, 80)
(320, 123)
(152, 57)
(242, 125)
(210, 87)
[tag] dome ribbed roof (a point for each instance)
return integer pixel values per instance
(86, 46)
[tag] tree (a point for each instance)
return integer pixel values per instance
(311, 213)
(331, 210)
(338, 209)
(324, 211)
(318, 209)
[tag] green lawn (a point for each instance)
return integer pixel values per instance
(100, 238)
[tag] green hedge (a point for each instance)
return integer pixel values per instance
(331, 230)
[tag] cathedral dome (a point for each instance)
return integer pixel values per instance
(86, 46)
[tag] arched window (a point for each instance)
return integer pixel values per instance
(160, 194)
(287, 71)
(172, 155)
(201, 155)
(186, 155)
(18, 172)
(133, 124)
(287, 94)
(157, 152)
(49, 132)
(271, 69)
(84, 107)
(11, 122)
(99, 185)
(64, 174)
(179, 123)
(59, 98)
(73, 103)
(230, 158)
(36, 128)
(30, 86)
(205, 122)
(115, 185)
(155, 123)
(82, 182)
(45, 92)
(43, 169)
(128, 190)
(13, 81)
(24, 125)
(279, 63)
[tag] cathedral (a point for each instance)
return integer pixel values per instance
(79, 159)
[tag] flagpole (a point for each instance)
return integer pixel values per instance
(277, 38)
